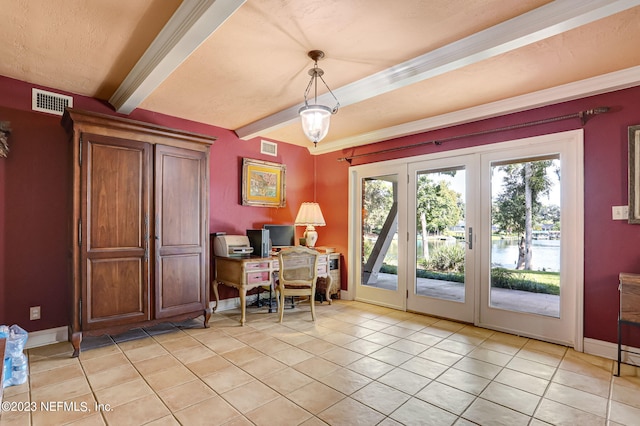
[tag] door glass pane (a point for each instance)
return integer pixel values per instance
(440, 234)
(525, 246)
(379, 232)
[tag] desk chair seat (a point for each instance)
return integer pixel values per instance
(297, 276)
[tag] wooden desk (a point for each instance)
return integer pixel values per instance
(246, 273)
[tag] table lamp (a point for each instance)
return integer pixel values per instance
(310, 216)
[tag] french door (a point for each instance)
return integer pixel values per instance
(490, 235)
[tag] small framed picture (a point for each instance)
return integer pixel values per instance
(263, 183)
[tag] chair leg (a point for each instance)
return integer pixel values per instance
(312, 302)
(281, 305)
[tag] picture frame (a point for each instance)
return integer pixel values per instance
(263, 183)
(634, 174)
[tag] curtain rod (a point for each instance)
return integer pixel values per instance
(582, 115)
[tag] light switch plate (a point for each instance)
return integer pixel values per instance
(620, 212)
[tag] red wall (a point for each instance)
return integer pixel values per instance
(33, 193)
(611, 246)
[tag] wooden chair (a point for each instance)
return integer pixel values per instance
(297, 276)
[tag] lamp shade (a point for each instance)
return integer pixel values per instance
(315, 122)
(310, 214)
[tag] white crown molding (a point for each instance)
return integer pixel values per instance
(192, 23)
(605, 83)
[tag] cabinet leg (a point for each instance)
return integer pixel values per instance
(207, 316)
(619, 346)
(76, 340)
(215, 292)
(243, 307)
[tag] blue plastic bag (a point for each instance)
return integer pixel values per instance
(16, 365)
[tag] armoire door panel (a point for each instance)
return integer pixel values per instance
(181, 201)
(116, 199)
(181, 242)
(115, 221)
(181, 277)
(110, 301)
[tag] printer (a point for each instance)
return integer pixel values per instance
(232, 245)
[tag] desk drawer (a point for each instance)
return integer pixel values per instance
(258, 277)
(252, 266)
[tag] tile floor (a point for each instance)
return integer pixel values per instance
(357, 365)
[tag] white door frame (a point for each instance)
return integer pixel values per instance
(577, 222)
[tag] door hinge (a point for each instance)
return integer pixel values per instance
(80, 153)
(407, 293)
(80, 313)
(79, 232)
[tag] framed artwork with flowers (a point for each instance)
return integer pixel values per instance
(263, 183)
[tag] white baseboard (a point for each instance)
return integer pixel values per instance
(47, 337)
(610, 350)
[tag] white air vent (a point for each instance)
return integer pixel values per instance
(268, 148)
(53, 103)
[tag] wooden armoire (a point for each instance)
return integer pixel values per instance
(139, 224)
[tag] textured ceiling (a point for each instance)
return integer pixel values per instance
(397, 67)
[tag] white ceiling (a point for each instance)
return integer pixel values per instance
(397, 67)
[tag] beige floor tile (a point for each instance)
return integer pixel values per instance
(370, 367)
(136, 343)
(540, 346)
(263, 367)
(222, 345)
(404, 380)
(339, 339)
(350, 412)
(463, 381)
(441, 356)
(624, 414)
(123, 393)
(59, 412)
(249, 396)
(546, 358)
(391, 356)
(374, 325)
(94, 419)
(227, 378)
(477, 367)
(577, 399)
(287, 380)
(271, 345)
(292, 356)
(424, 339)
(381, 338)
(113, 376)
(468, 338)
(396, 330)
(446, 397)
(164, 421)
(317, 346)
(559, 414)
(488, 355)
(169, 378)
(193, 354)
(341, 356)
(280, 411)
(57, 375)
(206, 366)
(61, 391)
(146, 352)
(315, 397)
(487, 413)
(626, 395)
(95, 365)
(409, 346)
(424, 367)
(418, 412)
(362, 346)
(522, 381)
(381, 397)
(459, 348)
(40, 364)
(243, 355)
(585, 383)
(212, 411)
(159, 363)
(185, 395)
(316, 367)
(345, 381)
(531, 367)
(510, 397)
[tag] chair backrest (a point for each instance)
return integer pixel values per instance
(298, 267)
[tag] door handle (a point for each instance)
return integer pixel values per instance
(470, 238)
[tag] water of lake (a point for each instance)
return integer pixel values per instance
(546, 254)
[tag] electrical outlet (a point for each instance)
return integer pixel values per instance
(34, 313)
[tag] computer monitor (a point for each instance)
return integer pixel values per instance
(281, 235)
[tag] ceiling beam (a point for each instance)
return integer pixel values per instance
(192, 23)
(541, 23)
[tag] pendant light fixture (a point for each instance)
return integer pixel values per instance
(315, 118)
